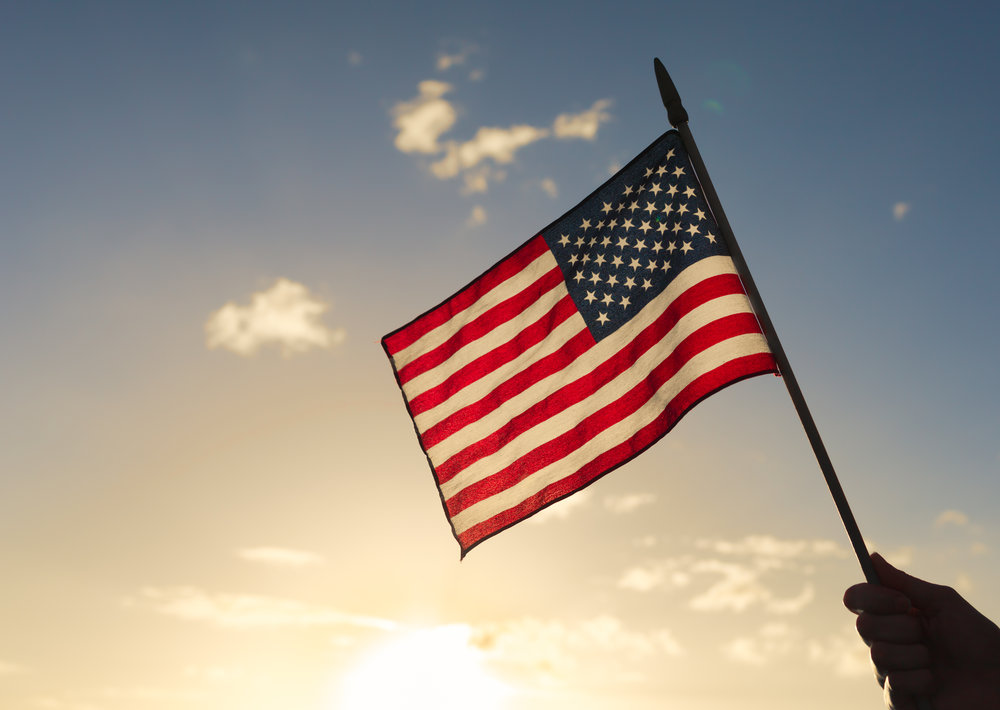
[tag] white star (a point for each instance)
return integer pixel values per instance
(650, 207)
(628, 190)
(606, 208)
(586, 225)
(665, 267)
(612, 280)
(678, 171)
(578, 277)
(622, 242)
(655, 188)
(686, 247)
(672, 247)
(563, 240)
(710, 237)
(657, 246)
(600, 260)
(599, 224)
(634, 264)
(699, 214)
(634, 206)
(649, 171)
(603, 318)
(605, 241)
(573, 258)
(645, 227)
(590, 297)
(667, 208)
(693, 229)
(640, 244)
(646, 284)
(595, 278)
(629, 282)
(651, 266)
(682, 209)
(607, 299)
(676, 228)
(592, 242)
(616, 261)
(627, 224)
(661, 227)
(669, 155)
(580, 241)
(689, 191)
(625, 302)
(672, 190)
(661, 171)
(612, 224)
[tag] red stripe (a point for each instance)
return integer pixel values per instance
(700, 388)
(537, 371)
(488, 362)
(510, 266)
(583, 387)
(487, 321)
(608, 415)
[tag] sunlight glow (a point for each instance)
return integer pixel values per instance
(430, 668)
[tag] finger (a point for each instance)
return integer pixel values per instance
(903, 686)
(875, 599)
(894, 628)
(890, 657)
(923, 594)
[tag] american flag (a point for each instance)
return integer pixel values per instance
(578, 350)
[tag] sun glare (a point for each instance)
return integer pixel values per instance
(430, 668)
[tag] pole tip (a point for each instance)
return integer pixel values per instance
(676, 113)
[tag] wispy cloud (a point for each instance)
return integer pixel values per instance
(563, 509)
(246, 611)
(738, 575)
(900, 210)
(477, 217)
(446, 60)
(955, 518)
(776, 639)
(628, 503)
(285, 314)
(584, 124)
(354, 58)
(490, 142)
(549, 187)
(11, 668)
(281, 556)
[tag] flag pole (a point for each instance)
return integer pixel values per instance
(678, 117)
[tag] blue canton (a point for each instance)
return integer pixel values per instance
(620, 247)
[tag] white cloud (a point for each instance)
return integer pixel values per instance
(478, 180)
(770, 641)
(490, 142)
(285, 314)
(421, 121)
(900, 210)
(354, 58)
(446, 61)
(477, 217)
(549, 187)
(628, 503)
(11, 668)
(562, 509)
(281, 556)
(844, 652)
(951, 517)
(246, 611)
(767, 546)
(554, 647)
(584, 124)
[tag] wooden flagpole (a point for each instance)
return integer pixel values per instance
(679, 119)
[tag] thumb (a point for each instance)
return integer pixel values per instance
(924, 595)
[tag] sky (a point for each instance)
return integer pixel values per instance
(211, 494)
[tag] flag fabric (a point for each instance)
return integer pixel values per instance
(578, 350)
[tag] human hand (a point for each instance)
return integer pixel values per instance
(926, 640)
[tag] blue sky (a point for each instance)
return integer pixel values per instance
(210, 493)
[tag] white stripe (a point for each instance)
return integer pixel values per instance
(703, 269)
(499, 293)
(583, 367)
(485, 343)
(554, 340)
(546, 430)
(706, 361)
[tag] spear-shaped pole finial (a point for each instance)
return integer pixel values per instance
(676, 113)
